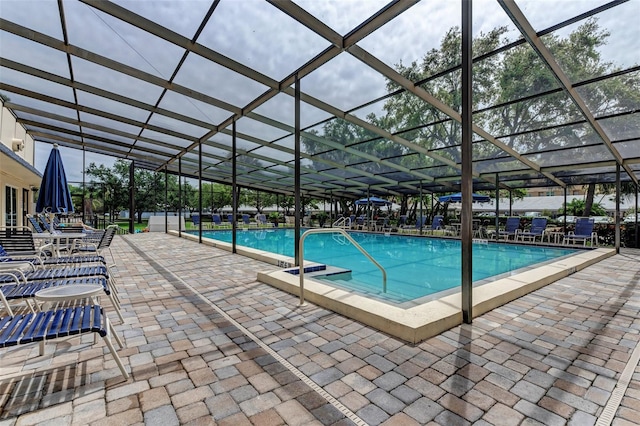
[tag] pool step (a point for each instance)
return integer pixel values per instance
(317, 267)
(351, 285)
(315, 270)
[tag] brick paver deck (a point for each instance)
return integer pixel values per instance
(208, 344)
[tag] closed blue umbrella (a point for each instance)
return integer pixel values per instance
(457, 198)
(54, 194)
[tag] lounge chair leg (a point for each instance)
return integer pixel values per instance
(107, 340)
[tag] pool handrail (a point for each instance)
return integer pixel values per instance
(342, 221)
(348, 237)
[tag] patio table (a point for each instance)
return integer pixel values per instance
(70, 294)
(59, 240)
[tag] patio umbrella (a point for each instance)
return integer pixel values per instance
(54, 194)
(457, 198)
(374, 201)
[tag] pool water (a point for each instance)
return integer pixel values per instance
(416, 266)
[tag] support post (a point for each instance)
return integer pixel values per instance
(200, 192)
(618, 190)
(564, 212)
(132, 197)
(467, 165)
(166, 198)
(84, 186)
(421, 207)
(497, 207)
(297, 188)
(179, 198)
(234, 193)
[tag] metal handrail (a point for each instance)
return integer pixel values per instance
(342, 222)
(356, 245)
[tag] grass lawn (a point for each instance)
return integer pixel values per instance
(124, 224)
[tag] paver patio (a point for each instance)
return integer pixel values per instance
(208, 344)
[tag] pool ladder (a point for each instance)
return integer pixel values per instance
(343, 222)
(348, 237)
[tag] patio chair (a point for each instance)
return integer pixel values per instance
(436, 224)
(420, 222)
(402, 223)
(262, 221)
(24, 292)
(247, 221)
(195, 220)
(511, 228)
(53, 324)
(383, 225)
(37, 227)
(217, 221)
(22, 278)
(538, 226)
(18, 241)
(583, 232)
(95, 242)
(230, 219)
(6, 259)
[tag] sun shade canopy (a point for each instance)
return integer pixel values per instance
(373, 201)
(161, 82)
(457, 198)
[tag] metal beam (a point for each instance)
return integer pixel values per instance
(467, 165)
(527, 31)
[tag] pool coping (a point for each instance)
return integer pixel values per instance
(426, 320)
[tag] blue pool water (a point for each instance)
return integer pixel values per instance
(416, 267)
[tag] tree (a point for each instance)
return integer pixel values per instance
(113, 185)
(110, 186)
(577, 208)
(503, 101)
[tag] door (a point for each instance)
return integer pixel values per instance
(11, 206)
(25, 205)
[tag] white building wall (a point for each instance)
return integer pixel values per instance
(13, 174)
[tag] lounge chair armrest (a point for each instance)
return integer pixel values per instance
(16, 265)
(14, 273)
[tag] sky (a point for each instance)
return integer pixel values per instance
(267, 40)
(71, 159)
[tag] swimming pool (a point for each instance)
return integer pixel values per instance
(416, 266)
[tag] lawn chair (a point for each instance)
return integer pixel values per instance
(262, 221)
(247, 221)
(402, 223)
(436, 224)
(538, 226)
(217, 221)
(511, 228)
(35, 224)
(420, 222)
(18, 241)
(583, 232)
(195, 220)
(28, 277)
(6, 259)
(96, 242)
(48, 325)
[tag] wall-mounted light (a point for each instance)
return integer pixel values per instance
(17, 145)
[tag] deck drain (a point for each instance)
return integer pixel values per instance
(313, 385)
(610, 409)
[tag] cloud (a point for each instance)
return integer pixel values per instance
(71, 159)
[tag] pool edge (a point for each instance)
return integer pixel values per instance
(421, 322)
